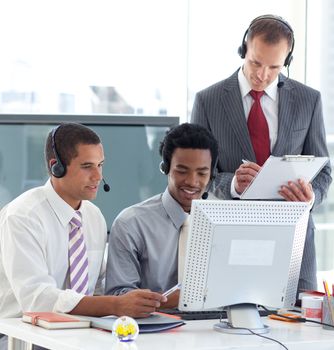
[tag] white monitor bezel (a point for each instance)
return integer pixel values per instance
(206, 285)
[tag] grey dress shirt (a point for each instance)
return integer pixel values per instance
(143, 246)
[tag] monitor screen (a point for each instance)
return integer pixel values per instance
(241, 254)
(131, 149)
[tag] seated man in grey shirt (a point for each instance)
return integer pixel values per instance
(143, 243)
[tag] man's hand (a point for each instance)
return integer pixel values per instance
(138, 303)
(244, 175)
(299, 191)
(172, 300)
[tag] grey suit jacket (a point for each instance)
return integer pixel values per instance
(301, 130)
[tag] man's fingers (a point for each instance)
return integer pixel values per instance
(287, 194)
(149, 295)
(297, 192)
(251, 166)
(244, 178)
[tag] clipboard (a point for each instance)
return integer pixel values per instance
(277, 171)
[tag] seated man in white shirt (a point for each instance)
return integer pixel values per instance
(38, 272)
(144, 239)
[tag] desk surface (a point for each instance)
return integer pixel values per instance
(194, 335)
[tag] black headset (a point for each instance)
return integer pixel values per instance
(164, 168)
(243, 47)
(58, 169)
(214, 173)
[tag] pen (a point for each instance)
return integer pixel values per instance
(173, 289)
(245, 161)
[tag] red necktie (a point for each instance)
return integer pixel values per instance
(258, 129)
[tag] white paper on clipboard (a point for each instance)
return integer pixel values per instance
(277, 171)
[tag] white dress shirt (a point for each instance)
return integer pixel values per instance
(34, 230)
(269, 104)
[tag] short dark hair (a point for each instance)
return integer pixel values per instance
(272, 28)
(66, 139)
(187, 136)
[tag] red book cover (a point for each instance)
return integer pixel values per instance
(53, 320)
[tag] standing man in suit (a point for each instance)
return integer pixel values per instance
(257, 112)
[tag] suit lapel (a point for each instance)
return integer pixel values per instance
(286, 111)
(235, 114)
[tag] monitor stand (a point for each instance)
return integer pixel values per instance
(240, 318)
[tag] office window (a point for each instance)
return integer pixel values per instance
(319, 74)
(145, 57)
(94, 56)
(150, 57)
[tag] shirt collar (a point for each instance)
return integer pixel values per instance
(270, 90)
(63, 210)
(173, 209)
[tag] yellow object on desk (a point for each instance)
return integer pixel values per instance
(125, 328)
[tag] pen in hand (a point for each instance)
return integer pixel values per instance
(172, 290)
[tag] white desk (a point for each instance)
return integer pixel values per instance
(195, 335)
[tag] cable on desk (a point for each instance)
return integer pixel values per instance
(259, 335)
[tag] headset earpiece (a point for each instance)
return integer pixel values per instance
(58, 169)
(214, 171)
(289, 58)
(213, 175)
(242, 49)
(163, 168)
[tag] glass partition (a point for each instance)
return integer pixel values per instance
(131, 156)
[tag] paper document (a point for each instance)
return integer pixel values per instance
(277, 171)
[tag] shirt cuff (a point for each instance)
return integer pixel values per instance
(311, 202)
(234, 193)
(67, 300)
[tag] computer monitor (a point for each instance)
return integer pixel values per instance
(241, 254)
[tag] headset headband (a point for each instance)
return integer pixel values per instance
(243, 47)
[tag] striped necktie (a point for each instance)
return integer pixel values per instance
(78, 256)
